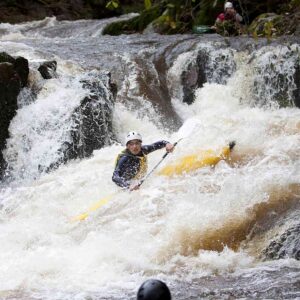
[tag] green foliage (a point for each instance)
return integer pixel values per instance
(228, 28)
(165, 24)
(112, 4)
(295, 3)
(148, 4)
(255, 36)
(205, 11)
(10, 2)
(268, 26)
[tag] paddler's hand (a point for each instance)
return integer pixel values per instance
(134, 186)
(169, 147)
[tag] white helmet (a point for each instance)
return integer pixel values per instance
(228, 5)
(132, 135)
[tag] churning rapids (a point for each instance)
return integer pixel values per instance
(205, 233)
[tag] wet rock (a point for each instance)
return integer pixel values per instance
(297, 90)
(48, 69)
(4, 57)
(194, 77)
(10, 86)
(22, 68)
(13, 76)
(93, 119)
(287, 245)
(216, 68)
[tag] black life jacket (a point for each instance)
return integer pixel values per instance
(143, 167)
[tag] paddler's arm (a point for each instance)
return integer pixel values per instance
(117, 177)
(156, 146)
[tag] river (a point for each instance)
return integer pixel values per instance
(202, 233)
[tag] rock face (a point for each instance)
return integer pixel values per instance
(210, 66)
(297, 90)
(22, 69)
(93, 118)
(13, 76)
(287, 245)
(194, 77)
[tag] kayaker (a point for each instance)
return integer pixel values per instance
(131, 163)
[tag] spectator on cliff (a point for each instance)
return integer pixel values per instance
(228, 22)
(229, 14)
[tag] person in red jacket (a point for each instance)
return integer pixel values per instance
(228, 22)
(229, 14)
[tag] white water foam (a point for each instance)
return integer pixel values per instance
(140, 234)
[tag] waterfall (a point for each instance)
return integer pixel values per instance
(68, 119)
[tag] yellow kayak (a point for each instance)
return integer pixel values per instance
(198, 160)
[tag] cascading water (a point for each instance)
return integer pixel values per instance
(202, 233)
(44, 131)
(40, 128)
(275, 70)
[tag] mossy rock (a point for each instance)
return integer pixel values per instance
(136, 24)
(166, 25)
(270, 25)
(117, 28)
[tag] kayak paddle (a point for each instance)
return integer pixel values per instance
(92, 208)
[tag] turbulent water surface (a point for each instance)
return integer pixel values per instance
(202, 233)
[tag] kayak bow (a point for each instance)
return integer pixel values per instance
(202, 158)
